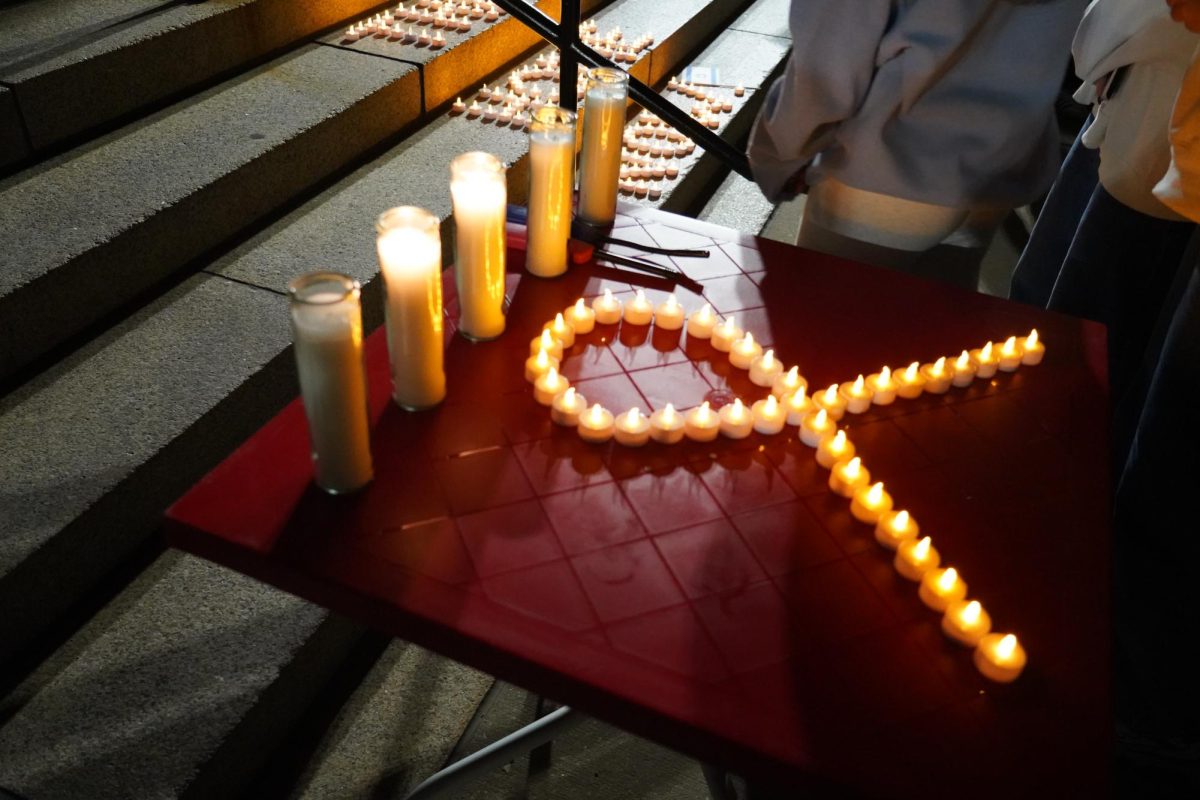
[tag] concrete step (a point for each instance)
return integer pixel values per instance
(73, 65)
(177, 689)
(737, 203)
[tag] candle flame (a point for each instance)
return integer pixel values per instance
(947, 579)
(1032, 339)
(633, 416)
(831, 394)
(900, 521)
(640, 298)
(859, 385)
(738, 410)
(542, 360)
(910, 374)
(768, 359)
(547, 342)
(596, 414)
(964, 360)
(580, 308)
(771, 406)
(669, 414)
(559, 322)
(551, 376)
(885, 376)
(793, 375)
(939, 366)
(986, 353)
(748, 341)
(875, 495)
(569, 396)
(798, 399)
(921, 549)
(672, 303)
(1010, 346)
(821, 420)
(608, 297)
(970, 614)
(1006, 646)
(853, 468)
(705, 413)
(839, 442)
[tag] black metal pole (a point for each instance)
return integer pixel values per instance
(568, 69)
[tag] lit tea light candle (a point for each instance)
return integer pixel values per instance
(966, 622)
(539, 365)
(607, 309)
(546, 341)
(474, 110)
(856, 395)
(701, 323)
(725, 334)
(909, 383)
(548, 385)
(1032, 350)
(458, 106)
(870, 503)
(769, 416)
(765, 370)
(986, 360)
(596, 425)
(739, 90)
(937, 377)
(915, 557)
(1000, 657)
(832, 401)
(941, 587)
(894, 528)
(580, 317)
(963, 369)
(882, 387)
(666, 425)
(815, 426)
(632, 428)
(847, 477)
(566, 407)
(560, 329)
(789, 382)
(744, 351)
(798, 405)
(702, 424)
(639, 310)
(1010, 355)
(736, 421)
(669, 315)
(834, 448)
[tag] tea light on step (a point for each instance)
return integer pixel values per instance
(632, 428)
(1010, 355)
(700, 323)
(739, 90)
(423, 38)
(815, 426)
(351, 34)
(882, 387)
(915, 557)
(725, 334)
(847, 477)
(909, 383)
(1032, 350)
(964, 370)
(567, 406)
(744, 351)
(832, 401)
(788, 382)
(769, 415)
(765, 370)
(596, 425)
(966, 622)
(834, 448)
(895, 527)
(458, 106)
(538, 365)
(672, 170)
(490, 112)
(669, 315)
(438, 41)
(798, 405)
(986, 360)
(546, 341)
(937, 377)
(505, 114)
(666, 425)
(856, 395)
(736, 421)
(941, 587)
(474, 110)
(870, 503)
(639, 310)
(560, 329)
(548, 385)
(607, 309)
(702, 424)
(1000, 657)
(580, 317)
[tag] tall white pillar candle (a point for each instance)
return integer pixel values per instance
(480, 195)
(600, 159)
(410, 258)
(327, 331)
(551, 190)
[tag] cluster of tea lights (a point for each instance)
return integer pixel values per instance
(397, 24)
(613, 44)
(998, 656)
(649, 156)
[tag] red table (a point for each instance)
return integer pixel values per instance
(718, 598)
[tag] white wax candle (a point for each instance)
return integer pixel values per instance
(668, 316)
(639, 310)
(847, 477)
(632, 429)
(539, 365)
(607, 309)
(701, 323)
(856, 395)
(834, 448)
(966, 622)
(815, 426)
(986, 360)
(1000, 657)
(702, 424)
(744, 351)
(551, 190)
(1032, 350)
(882, 387)
(725, 334)
(831, 400)
(600, 158)
(580, 317)
(896, 527)
(549, 385)
(769, 415)
(596, 425)
(870, 503)
(561, 330)
(963, 369)
(409, 246)
(937, 376)
(941, 587)
(666, 425)
(765, 370)
(788, 382)
(736, 421)
(566, 407)
(1010, 355)
(909, 383)
(479, 195)
(327, 336)
(915, 557)
(798, 405)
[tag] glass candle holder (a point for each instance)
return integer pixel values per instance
(551, 189)
(409, 245)
(603, 127)
(480, 195)
(327, 333)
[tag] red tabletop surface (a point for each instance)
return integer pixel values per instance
(718, 598)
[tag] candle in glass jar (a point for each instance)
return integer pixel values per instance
(798, 405)
(847, 477)
(546, 341)
(1000, 657)
(669, 315)
(566, 407)
(632, 428)
(580, 317)
(882, 387)
(702, 423)
(1010, 355)
(326, 321)
(896, 527)
(966, 622)
(479, 195)
(551, 190)
(539, 365)
(600, 157)
(766, 369)
(547, 386)
(596, 425)
(856, 395)
(607, 309)
(639, 310)
(832, 401)
(937, 377)
(701, 323)
(915, 557)
(963, 369)
(834, 448)
(666, 425)
(736, 421)
(725, 334)
(941, 587)
(1032, 350)
(409, 246)
(815, 426)
(986, 360)
(788, 382)
(909, 383)
(744, 351)
(870, 503)
(769, 415)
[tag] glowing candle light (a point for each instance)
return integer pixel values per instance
(458, 106)
(766, 369)
(915, 557)
(561, 330)
(1000, 657)
(580, 317)
(870, 503)
(538, 365)
(639, 310)
(963, 369)
(798, 405)
(702, 424)
(909, 383)
(815, 426)
(831, 400)
(725, 334)
(847, 477)
(739, 90)
(479, 195)
(744, 351)
(941, 587)
(769, 415)
(548, 385)
(600, 156)
(701, 323)
(567, 406)
(1032, 350)
(986, 360)
(856, 395)
(632, 428)
(1010, 355)
(666, 425)
(896, 527)
(834, 448)
(937, 377)
(551, 190)
(596, 425)
(788, 382)
(607, 308)
(546, 341)
(882, 387)
(736, 420)
(966, 622)
(474, 110)
(669, 315)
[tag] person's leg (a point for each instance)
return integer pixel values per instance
(814, 236)
(958, 258)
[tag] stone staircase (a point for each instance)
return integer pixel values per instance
(165, 169)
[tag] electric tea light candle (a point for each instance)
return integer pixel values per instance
(769, 416)
(632, 428)
(596, 425)
(986, 360)
(479, 196)
(725, 334)
(546, 341)
(815, 426)
(856, 395)
(789, 382)
(915, 557)
(744, 351)
(847, 477)
(549, 385)
(566, 407)
(909, 383)
(539, 365)
(798, 405)
(551, 190)
(607, 309)
(561, 331)
(937, 377)
(882, 387)
(1000, 657)
(580, 317)
(666, 425)
(600, 157)
(1010, 355)
(639, 310)
(966, 622)
(701, 323)
(833, 449)
(736, 421)
(895, 528)
(832, 401)
(669, 315)
(941, 587)
(1032, 350)
(964, 370)
(766, 369)
(870, 503)
(702, 424)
